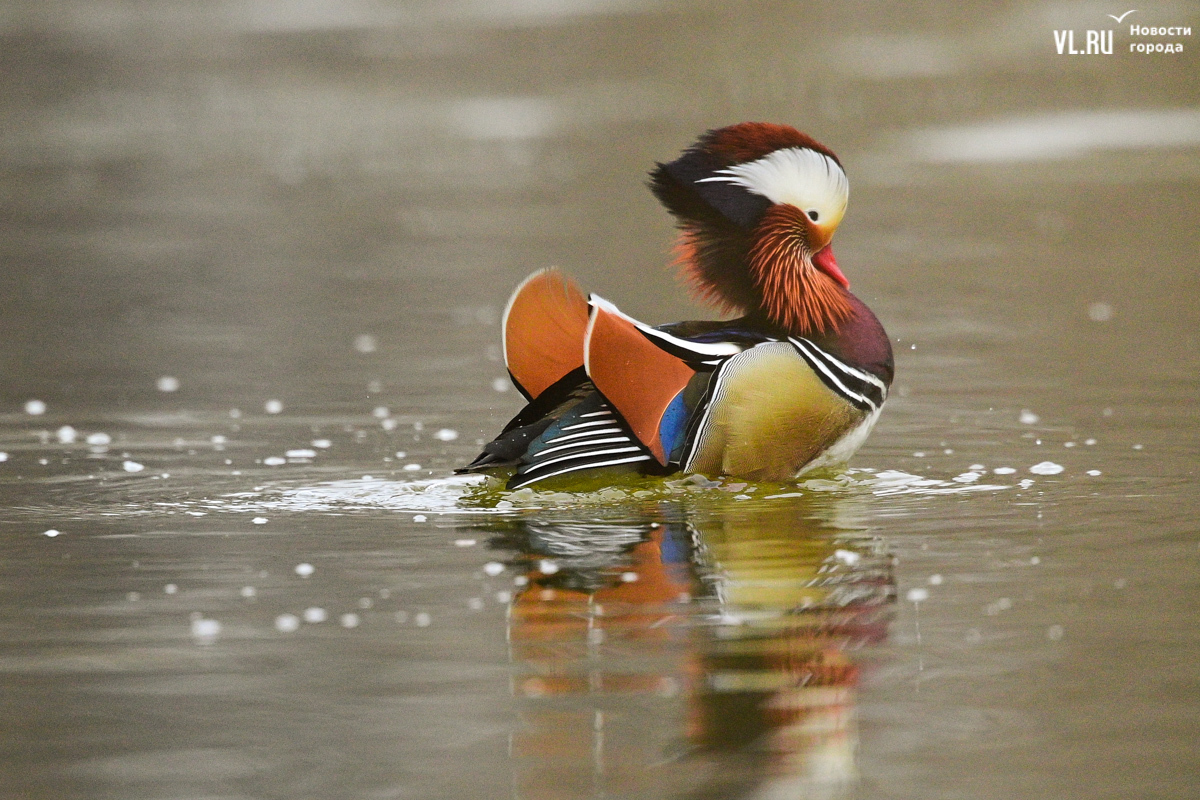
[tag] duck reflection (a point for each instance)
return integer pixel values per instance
(722, 636)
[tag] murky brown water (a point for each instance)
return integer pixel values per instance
(326, 204)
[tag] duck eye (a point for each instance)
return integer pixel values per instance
(813, 215)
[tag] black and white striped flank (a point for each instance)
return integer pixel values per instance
(596, 439)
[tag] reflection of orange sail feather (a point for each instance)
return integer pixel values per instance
(556, 635)
(767, 681)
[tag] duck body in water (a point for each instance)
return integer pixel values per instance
(796, 382)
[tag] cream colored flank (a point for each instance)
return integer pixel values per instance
(771, 416)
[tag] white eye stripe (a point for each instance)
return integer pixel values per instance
(796, 176)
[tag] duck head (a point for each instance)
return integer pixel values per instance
(757, 205)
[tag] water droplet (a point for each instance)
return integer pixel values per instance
(167, 383)
(35, 408)
(305, 569)
(446, 435)
(273, 407)
(132, 466)
(205, 631)
(366, 343)
(287, 623)
(917, 595)
(1046, 468)
(1027, 417)
(315, 615)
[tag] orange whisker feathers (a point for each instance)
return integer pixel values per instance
(795, 294)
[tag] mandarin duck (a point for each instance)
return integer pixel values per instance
(794, 383)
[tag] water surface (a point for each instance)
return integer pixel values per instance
(204, 593)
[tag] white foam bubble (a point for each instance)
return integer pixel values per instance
(132, 466)
(305, 569)
(35, 408)
(287, 623)
(1046, 468)
(273, 407)
(167, 383)
(204, 630)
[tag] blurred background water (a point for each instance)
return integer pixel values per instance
(254, 256)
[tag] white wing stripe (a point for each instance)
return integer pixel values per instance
(591, 424)
(587, 454)
(708, 350)
(585, 443)
(585, 465)
(598, 432)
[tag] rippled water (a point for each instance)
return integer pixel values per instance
(204, 593)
